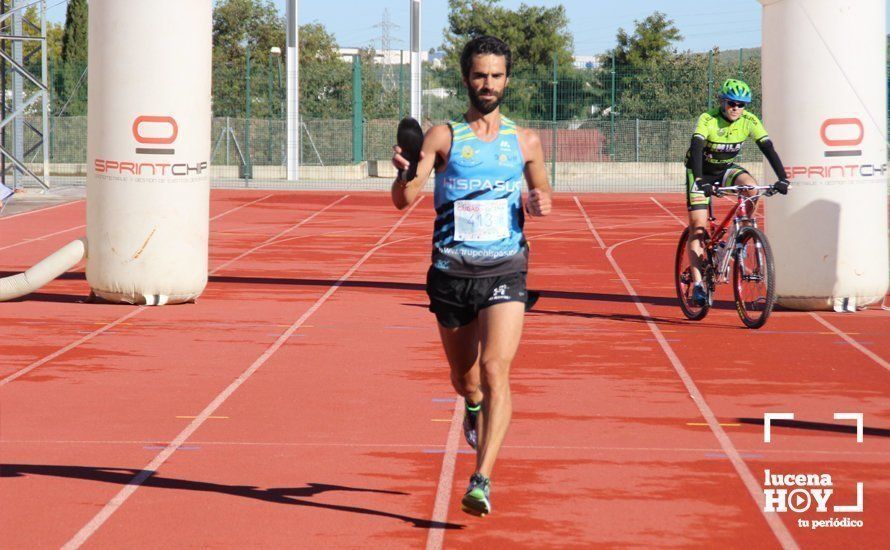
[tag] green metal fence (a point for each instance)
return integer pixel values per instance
(603, 128)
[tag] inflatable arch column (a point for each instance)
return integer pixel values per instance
(148, 149)
(825, 105)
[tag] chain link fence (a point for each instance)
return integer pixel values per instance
(603, 129)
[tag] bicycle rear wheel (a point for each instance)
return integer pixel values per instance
(753, 277)
(684, 282)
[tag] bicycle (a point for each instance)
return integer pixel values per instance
(735, 245)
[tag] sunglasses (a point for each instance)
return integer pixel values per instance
(735, 104)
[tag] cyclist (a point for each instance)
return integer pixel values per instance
(716, 143)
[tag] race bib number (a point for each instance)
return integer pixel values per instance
(481, 220)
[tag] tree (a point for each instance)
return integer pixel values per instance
(325, 79)
(650, 45)
(74, 39)
(534, 33)
(646, 66)
(237, 25)
(676, 88)
(72, 87)
(54, 34)
(536, 36)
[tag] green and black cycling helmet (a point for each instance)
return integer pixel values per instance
(735, 90)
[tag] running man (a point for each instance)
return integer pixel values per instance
(716, 143)
(476, 283)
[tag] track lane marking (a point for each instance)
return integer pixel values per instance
(669, 213)
(25, 370)
(48, 235)
(245, 205)
(127, 491)
(772, 520)
(42, 237)
(725, 424)
(590, 227)
(846, 337)
(436, 535)
(852, 341)
(592, 448)
(279, 234)
(40, 210)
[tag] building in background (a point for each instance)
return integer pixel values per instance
(585, 61)
(394, 57)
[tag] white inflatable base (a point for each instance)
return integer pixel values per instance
(145, 299)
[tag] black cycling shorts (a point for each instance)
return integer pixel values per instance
(457, 301)
(696, 199)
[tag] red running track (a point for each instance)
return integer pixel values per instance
(304, 400)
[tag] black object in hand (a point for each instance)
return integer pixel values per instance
(781, 186)
(410, 140)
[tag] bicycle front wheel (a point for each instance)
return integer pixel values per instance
(753, 277)
(684, 281)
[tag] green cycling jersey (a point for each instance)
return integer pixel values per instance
(723, 139)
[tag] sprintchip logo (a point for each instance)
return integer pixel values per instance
(845, 132)
(154, 135)
(157, 127)
(843, 138)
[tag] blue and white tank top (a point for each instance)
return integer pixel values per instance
(478, 199)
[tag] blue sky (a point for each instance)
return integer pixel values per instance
(593, 23)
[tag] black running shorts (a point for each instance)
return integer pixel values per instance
(456, 301)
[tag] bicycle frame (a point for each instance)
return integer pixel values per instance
(730, 227)
(736, 252)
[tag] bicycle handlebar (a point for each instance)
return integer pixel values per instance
(767, 190)
(745, 187)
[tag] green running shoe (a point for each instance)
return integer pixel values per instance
(476, 501)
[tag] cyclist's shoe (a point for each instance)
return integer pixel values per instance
(471, 417)
(699, 295)
(476, 500)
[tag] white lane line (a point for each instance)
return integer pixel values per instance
(847, 338)
(245, 205)
(592, 229)
(271, 239)
(669, 213)
(436, 535)
(588, 448)
(33, 239)
(539, 236)
(121, 497)
(39, 210)
(25, 370)
(775, 524)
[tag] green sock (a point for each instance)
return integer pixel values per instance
(472, 407)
